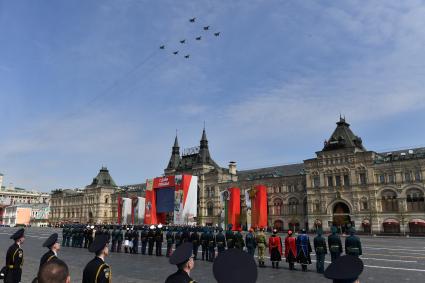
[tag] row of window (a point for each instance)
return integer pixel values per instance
(408, 176)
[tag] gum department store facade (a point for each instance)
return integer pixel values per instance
(345, 184)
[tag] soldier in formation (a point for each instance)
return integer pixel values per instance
(250, 242)
(335, 244)
(353, 245)
(159, 238)
(261, 246)
(275, 249)
(290, 250)
(304, 250)
(321, 250)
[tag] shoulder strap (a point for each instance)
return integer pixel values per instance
(98, 271)
(50, 257)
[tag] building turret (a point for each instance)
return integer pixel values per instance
(175, 156)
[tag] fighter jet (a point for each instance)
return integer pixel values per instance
(182, 41)
(175, 52)
(198, 38)
(192, 20)
(162, 47)
(187, 56)
(217, 33)
(207, 28)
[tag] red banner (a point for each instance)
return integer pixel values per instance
(260, 206)
(164, 182)
(234, 208)
(150, 208)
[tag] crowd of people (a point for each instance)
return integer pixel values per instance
(182, 247)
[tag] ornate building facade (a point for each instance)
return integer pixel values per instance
(344, 185)
(92, 204)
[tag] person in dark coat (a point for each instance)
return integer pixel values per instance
(97, 271)
(204, 244)
(303, 250)
(53, 245)
(353, 246)
(15, 258)
(230, 238)
(251, 242)
(239, 242)
(221, 241)
(144, 239)
(185, 235)
(211, 245)
(114, 239)
(169, 237)
(119, 239)
(290, 250)
(135, 249)
(183, 258)
(275, 249)
(194, 238)
(334, 244)
(321, 251)
(346, 269)
(178, 237)
(159, 238)
(151, 239)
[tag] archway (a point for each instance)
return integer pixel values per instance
(341, 216)
(278, 225)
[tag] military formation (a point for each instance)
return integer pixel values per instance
(211, 242)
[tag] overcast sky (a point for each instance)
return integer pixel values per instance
(84, 83)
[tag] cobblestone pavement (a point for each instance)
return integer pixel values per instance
(386, 260)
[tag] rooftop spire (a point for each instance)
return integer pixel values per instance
(176, 142)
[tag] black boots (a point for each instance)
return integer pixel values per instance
(304, 268)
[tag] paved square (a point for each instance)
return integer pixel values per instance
(386, 260)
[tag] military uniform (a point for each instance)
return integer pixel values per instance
(170, 241)
(180, 256)
(97, 271)
(119, 240)
(159, 238)
(321, 251)
(14, 260)
(261, 244)
(221, 242)
(303, 250)
(290, 250)
(194, 238)
(239, 242)
(230, 239)
(211, 246)
(204, 245)
(135, 249)
(235, 266)
(151, 240)
(144, 239)
(335, 245)
(353, 246)
(48, 256)
(250, 242)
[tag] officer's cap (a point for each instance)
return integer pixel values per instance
(235, 266)
(99, 243)
(182, 254)
(18, 234)
(53, 239)
(345, 269)
(160, 226)
(152, 227)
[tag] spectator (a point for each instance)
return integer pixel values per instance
(54, 271)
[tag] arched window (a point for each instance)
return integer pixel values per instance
(277, 206)
(415, 200)
(293, 205)
(210, 209)
(389, 201)
(106, 199)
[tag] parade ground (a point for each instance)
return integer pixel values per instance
(386, 259)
